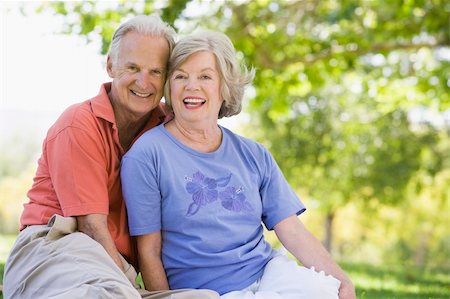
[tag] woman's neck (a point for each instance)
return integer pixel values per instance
(203, 139)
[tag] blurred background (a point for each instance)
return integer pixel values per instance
(352, 97)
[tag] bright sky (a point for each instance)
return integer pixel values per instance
(42, 72)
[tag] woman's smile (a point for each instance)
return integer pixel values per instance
(193, 103)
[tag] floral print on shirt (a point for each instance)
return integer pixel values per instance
(205, 190)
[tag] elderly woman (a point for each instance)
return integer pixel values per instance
(197, 193)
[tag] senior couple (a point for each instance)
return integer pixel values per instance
(197, 195)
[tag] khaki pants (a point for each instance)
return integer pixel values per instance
(55, 261)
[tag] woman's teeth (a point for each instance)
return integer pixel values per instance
(193, 101)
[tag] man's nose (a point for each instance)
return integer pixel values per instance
(143, 80)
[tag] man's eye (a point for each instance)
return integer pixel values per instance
(132, 68)
(157, 72)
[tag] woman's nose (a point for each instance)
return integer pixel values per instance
(192, 84)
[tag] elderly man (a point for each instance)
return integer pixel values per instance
(74, 240)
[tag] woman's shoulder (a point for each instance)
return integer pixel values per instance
(150, 140)
(155, 132)
(245, 143)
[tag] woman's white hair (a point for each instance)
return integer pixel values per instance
(234, 76)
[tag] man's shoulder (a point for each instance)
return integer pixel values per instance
(76, 114)
(86, 112)
(79, 115)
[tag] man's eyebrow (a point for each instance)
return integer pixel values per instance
(156, 67)
(202, 70)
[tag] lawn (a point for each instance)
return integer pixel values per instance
(398, 282)
(372, 282)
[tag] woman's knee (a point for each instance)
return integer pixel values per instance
(294, 281)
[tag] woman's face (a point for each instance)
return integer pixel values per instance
(195, 89)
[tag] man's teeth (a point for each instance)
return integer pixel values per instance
(193, 101)
(143, 95)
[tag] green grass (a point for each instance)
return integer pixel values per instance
(389, 282)
(398, 282)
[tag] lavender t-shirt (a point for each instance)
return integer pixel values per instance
(209, 207)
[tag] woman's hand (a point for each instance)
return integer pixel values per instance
(347, 290)
(297, 239)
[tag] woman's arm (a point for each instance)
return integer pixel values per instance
(296, 238)
(150, 263)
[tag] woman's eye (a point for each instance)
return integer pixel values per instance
(205, 77)
(179, 76)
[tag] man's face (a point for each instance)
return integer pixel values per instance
(138, 72)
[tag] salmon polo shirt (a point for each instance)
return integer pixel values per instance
(79, 170)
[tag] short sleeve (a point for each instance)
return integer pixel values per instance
(78, 168)
(141, 194)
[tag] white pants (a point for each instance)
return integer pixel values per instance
(284, 279)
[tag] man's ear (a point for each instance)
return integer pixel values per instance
(109, 66)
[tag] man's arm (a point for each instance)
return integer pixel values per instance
(310, 252)
(149, 255)
(96, 227)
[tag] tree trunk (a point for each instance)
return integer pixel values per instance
(328, 231)
(422, 249)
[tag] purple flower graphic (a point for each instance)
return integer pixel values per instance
(203, 190)
(234, 200)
